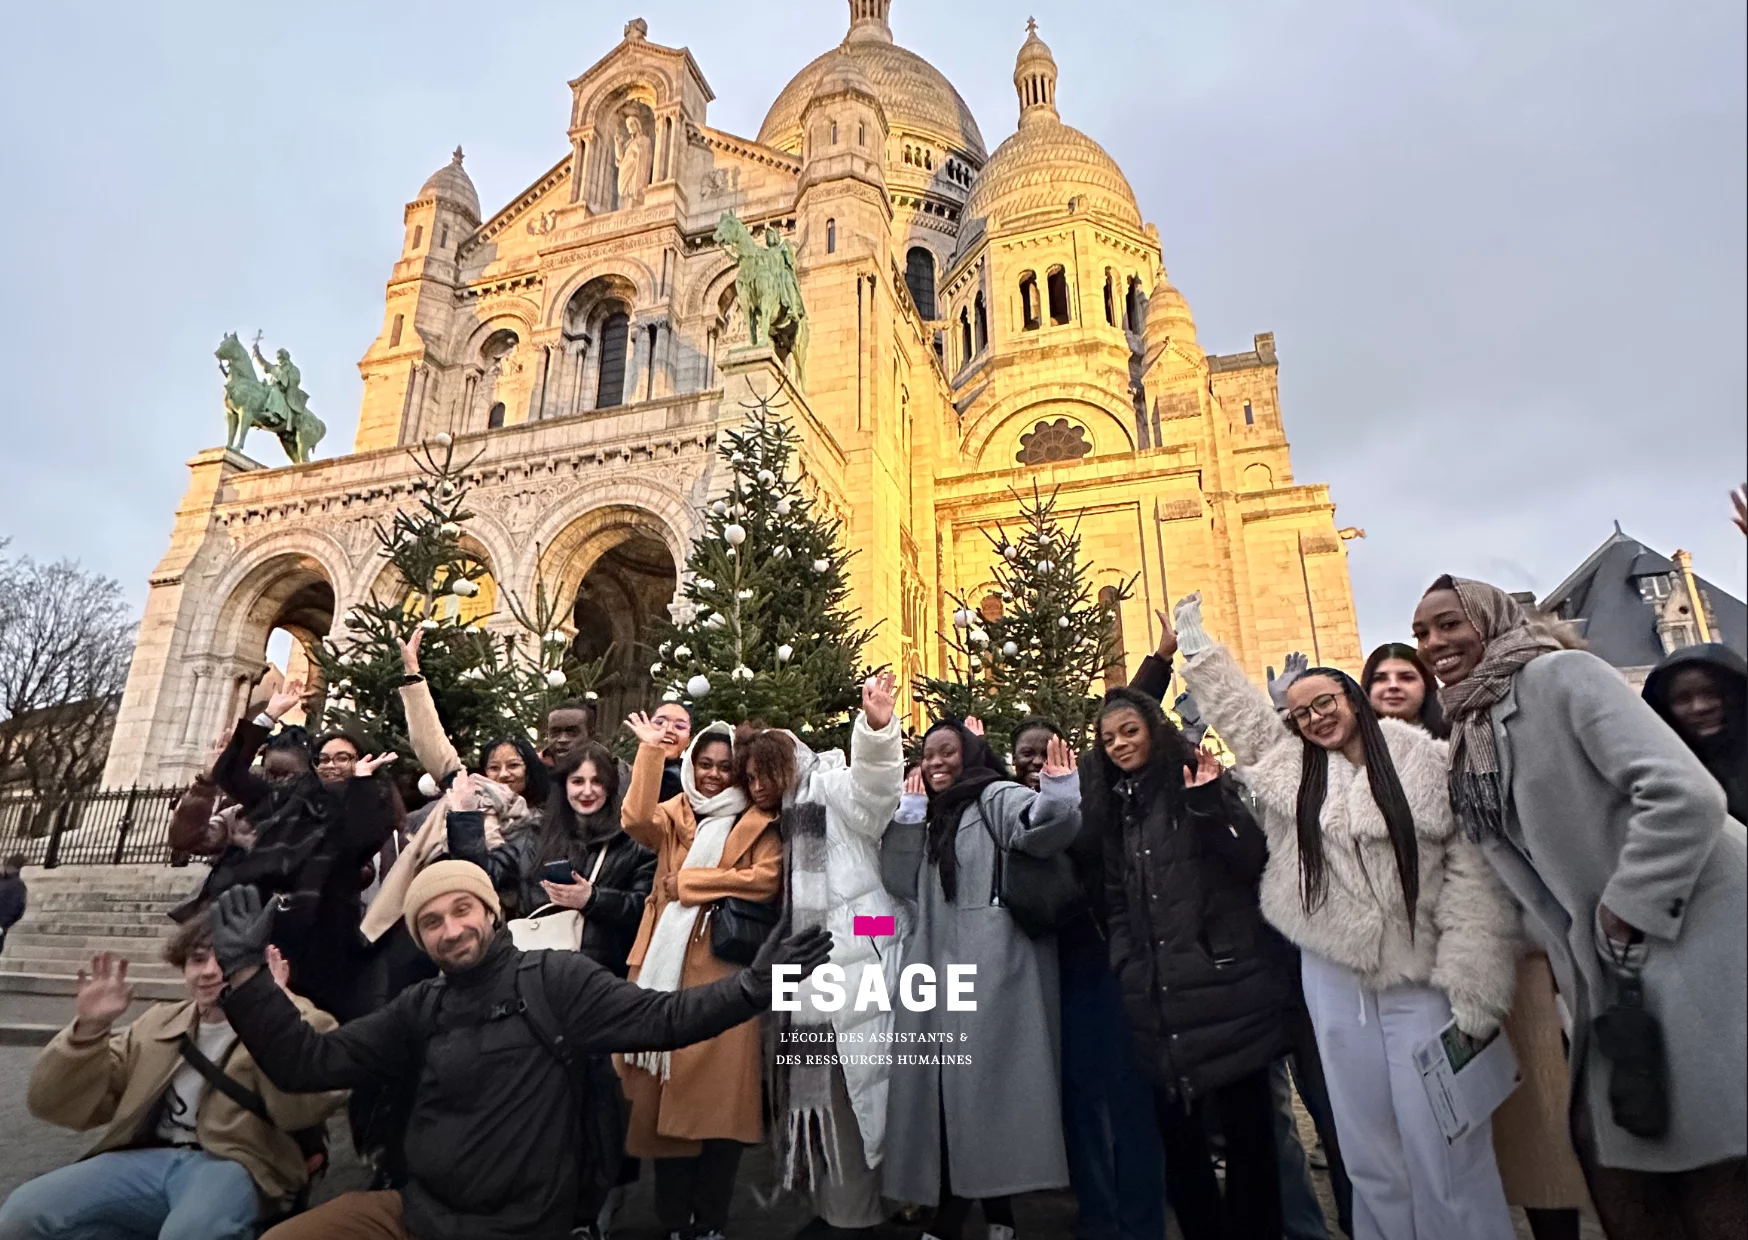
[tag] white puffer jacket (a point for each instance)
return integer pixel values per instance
(1466, 930)
(859, 801)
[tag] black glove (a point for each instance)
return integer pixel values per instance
(809, 949)
(240, 929)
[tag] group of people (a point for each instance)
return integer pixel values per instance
(1487, 835)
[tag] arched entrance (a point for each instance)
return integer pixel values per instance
(622, 566)
(286, 602)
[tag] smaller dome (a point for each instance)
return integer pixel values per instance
(844, 76)
(1168, 315)
(451, 184)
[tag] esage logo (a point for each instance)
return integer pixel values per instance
(916, 988)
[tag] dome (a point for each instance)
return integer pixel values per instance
(842, 76)
(1168, 314)
(451, 184)
(1046, 163)
(913, 93)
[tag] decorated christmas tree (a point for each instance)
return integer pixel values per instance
(761, 630)
(1036, 646)
(485, 684)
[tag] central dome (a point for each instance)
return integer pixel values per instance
(916, 97)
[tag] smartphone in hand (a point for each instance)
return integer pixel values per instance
(559, 872)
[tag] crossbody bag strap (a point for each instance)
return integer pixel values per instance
(216, 1077)
(999, 862)
(536, 1009)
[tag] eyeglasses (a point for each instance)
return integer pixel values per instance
(337, 759)
(1323, 706)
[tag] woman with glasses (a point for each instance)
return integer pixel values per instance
(1400, 923)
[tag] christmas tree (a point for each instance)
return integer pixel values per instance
(485, 684)
(760, 630)
(1034, 648)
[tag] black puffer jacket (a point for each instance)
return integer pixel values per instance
(615, 907)
(1208, 985)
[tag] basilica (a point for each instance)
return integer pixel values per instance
(978, 323)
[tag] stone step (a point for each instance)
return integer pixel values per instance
(155, 922)
(100, 939)
(34, 1005)
(31, 931)
(66, 986)
(69, 966)
(100, 904)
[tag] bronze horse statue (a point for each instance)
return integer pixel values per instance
(769, 292)
(250, 402)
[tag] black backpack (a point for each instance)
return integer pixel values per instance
(603, 1115)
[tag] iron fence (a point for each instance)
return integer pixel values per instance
(122, 826)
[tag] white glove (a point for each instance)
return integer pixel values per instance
(1186, 618)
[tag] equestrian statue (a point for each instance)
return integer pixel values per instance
(768, 289)
(279, 404)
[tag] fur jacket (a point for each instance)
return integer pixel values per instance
(1466, 931)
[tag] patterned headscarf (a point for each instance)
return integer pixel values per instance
(1512, 641)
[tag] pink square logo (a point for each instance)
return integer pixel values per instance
(876, 927)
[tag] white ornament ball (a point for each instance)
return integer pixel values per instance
(449, 529)
(736, 458)
(734, 534)
(556, 678)
(698, 686)
(1010, 553)
(463, 587)
(962, 618)
(731, 553)
(682, 652)
(555, 637)
(427, 624)
(785, 506)
(743, 673)
(655, 669)
(715, 620)
(743, 595)
(1036, 642)
(428, 787)
(704, 583)
(1062, 622)
(819, 566)
(1010, 649)
(1023, 708)
(976, 662)
(979, 636)
(719, 509)
(766, 477)
(591, 696)
(785, 652)
(444, 439)
(1045, 566)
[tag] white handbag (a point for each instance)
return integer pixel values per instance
(551, 928)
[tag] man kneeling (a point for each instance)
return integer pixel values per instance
(492, 1141)
(183, 1158)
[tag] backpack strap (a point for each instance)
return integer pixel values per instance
(216, 1077)
(999, 862)
(536, 1008)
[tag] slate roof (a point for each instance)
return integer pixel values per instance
(1615, 620)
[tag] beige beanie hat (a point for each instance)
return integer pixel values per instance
(441, 878)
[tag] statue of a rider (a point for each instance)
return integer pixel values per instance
(287, 402)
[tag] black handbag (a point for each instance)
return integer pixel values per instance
(1631, 1039)
(738, 928)
(1041, 893)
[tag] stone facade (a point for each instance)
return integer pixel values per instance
(980, 324)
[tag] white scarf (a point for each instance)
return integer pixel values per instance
(664, 960)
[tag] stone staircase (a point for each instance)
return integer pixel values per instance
(75, 912)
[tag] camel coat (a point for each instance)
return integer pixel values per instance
(713, 1088)
(1530, 1139)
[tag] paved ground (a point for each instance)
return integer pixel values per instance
(29, 1148)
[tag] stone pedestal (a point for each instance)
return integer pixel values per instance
(753, 373)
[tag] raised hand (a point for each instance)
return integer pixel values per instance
(1291, 670)
(285, 699)
(974, 725)
(648, 731)
(104, 996)
(241, 926)
(1167, 636)
(371, 765)
(809, 949)
(877, 699)
(461, 792)
(1206, 770)
(1058, 757)
(1187, 622)
(215, 749)
(913, 782)
(279, 968)
(410, 652)
(1739, 501)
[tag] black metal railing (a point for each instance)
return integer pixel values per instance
(122, 826)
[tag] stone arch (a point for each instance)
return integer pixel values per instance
(648, 81)
(994, 437)
(632, 273)
(606, 298)
(1257, 477)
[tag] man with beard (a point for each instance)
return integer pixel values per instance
(493, 1139)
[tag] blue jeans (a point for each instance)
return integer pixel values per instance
(162, 1194)
(1115, 1157)
(1301, 1216)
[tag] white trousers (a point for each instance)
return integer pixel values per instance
(1408, 1183)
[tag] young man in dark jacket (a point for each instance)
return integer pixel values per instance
(492, 1141)
(13, 894)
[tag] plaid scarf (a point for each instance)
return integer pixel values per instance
(807, 1150)
(1477, 799)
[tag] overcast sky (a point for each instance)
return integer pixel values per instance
(1501, 244)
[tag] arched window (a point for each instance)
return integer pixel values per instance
(1249, 415)
(1132, 308)
(928, 159)
(495, 418)
(1110, 297)
(443, 237)
(982, 322)
(834, 133)
(1056, 284)
(394, 334)
(919, 278)
(1031, 316)
(861, 134)
(965, 350)
(1117, 670)
(831, 236)
(418, 235)
(615, 340)
(1049, 442)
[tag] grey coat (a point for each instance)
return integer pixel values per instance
(1608, 806)
(1003, 1108)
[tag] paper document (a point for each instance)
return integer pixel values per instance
(1465, 1083)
